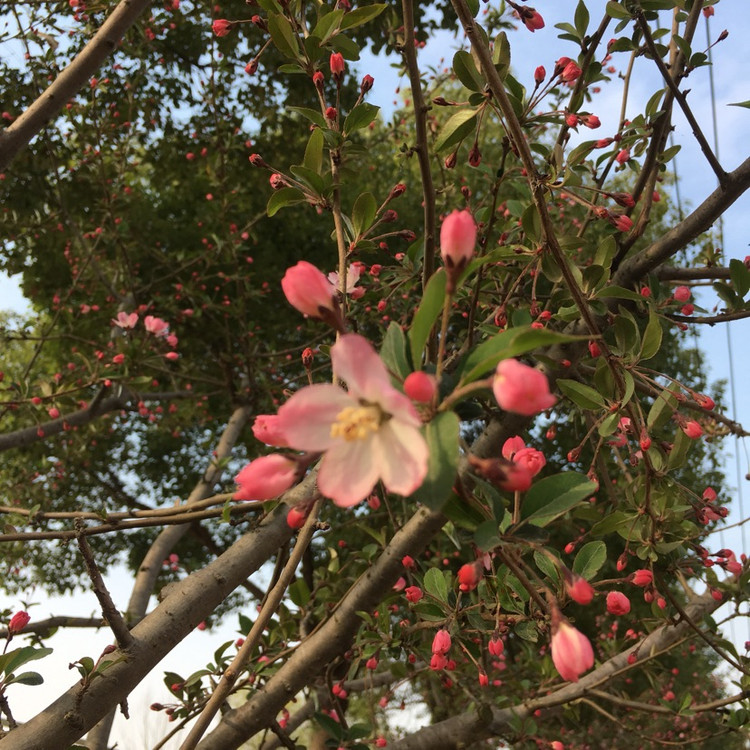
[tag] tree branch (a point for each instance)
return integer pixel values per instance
(19, 134)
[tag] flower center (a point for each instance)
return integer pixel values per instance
(356, 422)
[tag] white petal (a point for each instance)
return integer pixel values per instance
(403, 457)
(347, 472)
(306, 418)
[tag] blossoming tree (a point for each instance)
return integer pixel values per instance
(420, 378)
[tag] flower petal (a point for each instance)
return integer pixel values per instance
(360, 367)
(348, 472)
(306, 418)
(402, 456)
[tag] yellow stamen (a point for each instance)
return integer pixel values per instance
(356, 422)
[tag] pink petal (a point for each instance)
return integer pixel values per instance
(359, 366)
(348, 473)
(402, 459)
(306, 418)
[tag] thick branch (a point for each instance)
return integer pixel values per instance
(699, 221)
(673, 273)
(18, 135)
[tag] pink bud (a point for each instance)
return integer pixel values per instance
(18, 622)
(458, 238)
(338, 66)
(309, 291)
(539, 74)
(222, 27)
(318, 80)
(622, 156)
(266, 428)
(642, 577)
(572, 653)
(266, 478)
(420, 387)
(532, 20)
(530, 459)
(367, 83)
(580, 590)
(413, 594)
(441, 643)
(496, 646)
(521, 389)
(570, 72)
(692, 429)
(468, 577)
(617, 603)
(705, 402)
(682, 293)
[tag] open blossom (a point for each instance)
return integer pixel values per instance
(572, 653)
(521, 389)
(157, 326)
(368, 433)
(265, 478)
(353, 272)
(126, 320)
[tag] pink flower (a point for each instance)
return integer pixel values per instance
(266, 429)
(265, 478)
(570, 72)
(420, 387)
(622, 156)
(222, 27)
(530, 459)
(512, 446)
(353, 272)
(572, 653)
(580, 590)
(642, 577)
(539, 74)
(369, 433)
(438, 662)
(617, 603)
(468, 577)
(441, 643)
(18, 622)
(458, 238)
(310, 292)
(521, 389)
(532, 20)
(338, 65)
(496, 646)
(622, 223)
(692, 429)
(125, 320)
(157, 326)
(413, 594)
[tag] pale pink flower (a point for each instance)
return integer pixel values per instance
(266, 429)
(572, 653)
(521, 389)
(157, 326)
(125, 320)
(266, 478)
(353, 272)
(368, 433)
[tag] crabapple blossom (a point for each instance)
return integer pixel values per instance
(413, 594)
(18, 622)
(266, 429)
(441, 643)
(458, 238)
(265, 478)
(468, 577)
(521, 389)
(643, 577)
(530, 459)
(421, 387)
(682, 293)
(512, 446)
(617, 603)
(222, 27)
(572, 653)
(310, 292)
(353, 272)
(157, 326)
(368, 433)
(125, 320)
(579, 589)
(692, 429)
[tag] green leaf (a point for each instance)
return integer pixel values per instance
(393, 350)
(740, 275)
(547, 566)
(327, 25)
(618, 292)
(360, 117)
(583, 395)
(581, 19)
(314, 151)
(442, 441)
(662, 409)
(487, 537)
(283, 35)
(651, 337)
(615, 10)
(590, 559)
(459, 125)
(435, 584)
(347, 47)
(20, 656)
(299, 592)
(611, 522)
(311, 114)
(309, 178)
(363, 213)
(501, 54)
(553, 496)
(27, 678)
(531, 223)
(426, 315)
(466, 71)
(679, 451)
(287, 196)
(363, 15)
(745, 104)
